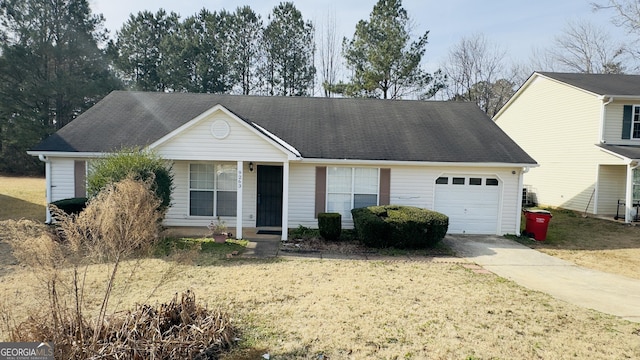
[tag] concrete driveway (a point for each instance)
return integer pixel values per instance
(604, 292)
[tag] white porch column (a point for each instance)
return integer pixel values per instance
(239, 192)
(628, 199)
(285, 200)
(519, 201)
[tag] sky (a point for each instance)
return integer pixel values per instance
(516, 26)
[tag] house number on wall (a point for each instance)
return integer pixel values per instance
(239, 179)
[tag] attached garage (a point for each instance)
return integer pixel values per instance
(472, 202)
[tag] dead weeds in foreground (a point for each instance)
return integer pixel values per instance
(120, 221)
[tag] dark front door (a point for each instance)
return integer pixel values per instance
(269, 196)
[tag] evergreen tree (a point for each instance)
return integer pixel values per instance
(246, 32)
(138, 53)
(51, 69)
(289, 51)
(383, 60)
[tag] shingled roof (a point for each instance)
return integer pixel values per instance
(364, 129)
(600, 84)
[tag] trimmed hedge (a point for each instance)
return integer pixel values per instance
(330, 225)
(71, 205)
(399, 226)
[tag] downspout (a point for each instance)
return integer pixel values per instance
(519, 205)
(47, 175)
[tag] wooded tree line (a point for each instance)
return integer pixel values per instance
(57, 60)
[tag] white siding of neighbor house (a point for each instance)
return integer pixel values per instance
(410, 185)
(612, 133)
(558, 126)
(611, 188)
(62, 178)
(198, 143)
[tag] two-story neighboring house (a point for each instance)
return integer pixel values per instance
(584, 131)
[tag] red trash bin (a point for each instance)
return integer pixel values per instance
(537, 224)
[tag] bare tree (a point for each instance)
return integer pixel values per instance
(627, 16)
(329, 49)
(587, 48)
(476, 72)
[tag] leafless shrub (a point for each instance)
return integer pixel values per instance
(180, 329)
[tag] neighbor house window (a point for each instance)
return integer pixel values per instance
(351, 188)
(636, 184)
(635, 133)
(212, 189)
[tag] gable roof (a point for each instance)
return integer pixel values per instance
(323, 128)
(600, 84)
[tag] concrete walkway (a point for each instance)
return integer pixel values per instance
(604, 292)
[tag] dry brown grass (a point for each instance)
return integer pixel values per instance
(298, 309)
(600, 244)
(22, 197)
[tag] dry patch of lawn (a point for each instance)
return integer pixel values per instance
(22, 197)
(300, 309)
(591, 242)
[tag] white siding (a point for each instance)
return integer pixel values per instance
(410, 185)
(613, 124)
(62, 178)
(178, 213)
(558, 126)
(611, 188)
(302, 192)
(198, 143)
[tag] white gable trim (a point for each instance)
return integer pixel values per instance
(619, 156)
(289, 150)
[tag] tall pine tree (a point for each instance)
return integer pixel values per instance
(384, 61)
(51, 69)
(289, 51)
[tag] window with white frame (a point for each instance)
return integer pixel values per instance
(636, 184)
(351, 188)
(635, 120)
(212, 189)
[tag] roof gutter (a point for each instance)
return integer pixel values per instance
(47, 172)
(416, 163)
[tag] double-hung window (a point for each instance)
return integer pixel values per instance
(635, 117)
(351, 188)
(212, 189)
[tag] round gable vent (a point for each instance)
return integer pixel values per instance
(220, 129)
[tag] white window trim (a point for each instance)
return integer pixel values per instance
(214, 190)
(634, 122)
(353, 183)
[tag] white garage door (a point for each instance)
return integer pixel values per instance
(472, 203)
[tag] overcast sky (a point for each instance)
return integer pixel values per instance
(517, 25)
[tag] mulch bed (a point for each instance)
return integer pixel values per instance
(353, 247)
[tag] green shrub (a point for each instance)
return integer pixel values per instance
(399, 226)
(142, 165)
(330, 225)
(71, 205)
